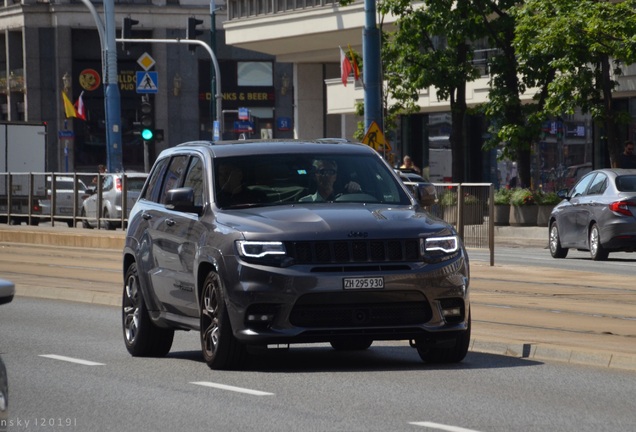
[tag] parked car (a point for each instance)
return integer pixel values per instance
(69, 196)
(598, 214)
(7, 291)
(111, 199)
(575, 172)
(419, 185)
(237, 241)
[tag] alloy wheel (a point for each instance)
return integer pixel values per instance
(131, 309)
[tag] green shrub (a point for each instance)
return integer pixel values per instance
(547, 198)
(522, 197)
(502, 196)
(449, 198)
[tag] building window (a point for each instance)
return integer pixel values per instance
(255, 74)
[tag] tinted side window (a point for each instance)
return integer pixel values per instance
(174, 174)
(108, 183)
(194, 179)
(626, 183)
(156, 180)
(598, 185)
(580, 187)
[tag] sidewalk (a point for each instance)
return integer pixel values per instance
(498, 294)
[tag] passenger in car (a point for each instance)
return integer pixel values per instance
(231, 190)
(326, 173)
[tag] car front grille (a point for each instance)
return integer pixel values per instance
(360, 310)
(353, 251)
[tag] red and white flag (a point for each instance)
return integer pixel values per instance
(80, 109)
(345, 67)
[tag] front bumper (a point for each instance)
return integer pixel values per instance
(302, 304)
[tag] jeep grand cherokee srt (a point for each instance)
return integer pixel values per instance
(238, 241)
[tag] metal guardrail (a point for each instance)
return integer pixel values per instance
(32, 197)
(470, 208)
(467, 206)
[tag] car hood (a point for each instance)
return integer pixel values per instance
(333, 221)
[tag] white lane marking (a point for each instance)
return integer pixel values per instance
(71, 360)
(443, 427)
(232, 388)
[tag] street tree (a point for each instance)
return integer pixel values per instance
(579, 47)
(432, 47)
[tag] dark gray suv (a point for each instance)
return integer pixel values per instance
(256, 243)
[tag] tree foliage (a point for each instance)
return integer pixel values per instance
(568, 53)
(581, 45)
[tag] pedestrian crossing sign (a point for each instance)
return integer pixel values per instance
(147, 82)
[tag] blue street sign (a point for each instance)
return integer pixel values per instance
(147, 82)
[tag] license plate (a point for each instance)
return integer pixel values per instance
(363, 283)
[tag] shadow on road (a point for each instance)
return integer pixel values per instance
(304, 359)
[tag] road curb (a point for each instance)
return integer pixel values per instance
(546, 352)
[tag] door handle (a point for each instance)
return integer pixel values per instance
(170, 222)
(146, 216)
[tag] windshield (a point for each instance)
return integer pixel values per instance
(255, 180)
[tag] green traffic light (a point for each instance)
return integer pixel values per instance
(147, 134)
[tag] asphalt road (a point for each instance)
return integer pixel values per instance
(69, 370)
(540, 313)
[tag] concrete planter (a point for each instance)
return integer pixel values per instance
(524, 215)
(502, 214)
(543, 214)
(473, 214)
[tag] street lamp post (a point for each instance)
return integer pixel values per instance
(371, 72)
(112, 102)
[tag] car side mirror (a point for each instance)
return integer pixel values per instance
(563, 194)
(425, 194)
(182, 200)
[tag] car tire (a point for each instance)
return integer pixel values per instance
(107, 225)
(221, 350)
(141, 336)
(85, 223)
(430, 353)
(351, 344)
(554, 242)
(597, 251)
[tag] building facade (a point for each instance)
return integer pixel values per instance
(307, 33)
(51, 47)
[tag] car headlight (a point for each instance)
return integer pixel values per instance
(262, 252)
(440, 248)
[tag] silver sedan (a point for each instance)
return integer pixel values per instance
(598, 214)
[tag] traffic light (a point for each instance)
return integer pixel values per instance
(147, 120)
(192, 32)
(126, 29)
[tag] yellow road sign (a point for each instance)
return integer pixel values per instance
(375, 138)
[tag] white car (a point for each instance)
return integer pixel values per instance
(69, 196)
(107, 208)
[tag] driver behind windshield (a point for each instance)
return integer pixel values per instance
(325, 174)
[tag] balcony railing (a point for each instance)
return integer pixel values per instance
(239, 9)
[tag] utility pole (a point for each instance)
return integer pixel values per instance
(372, 67)
(112, 101)
(212, 74)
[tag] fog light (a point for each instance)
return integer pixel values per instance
(452, 312)
(260, 318)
